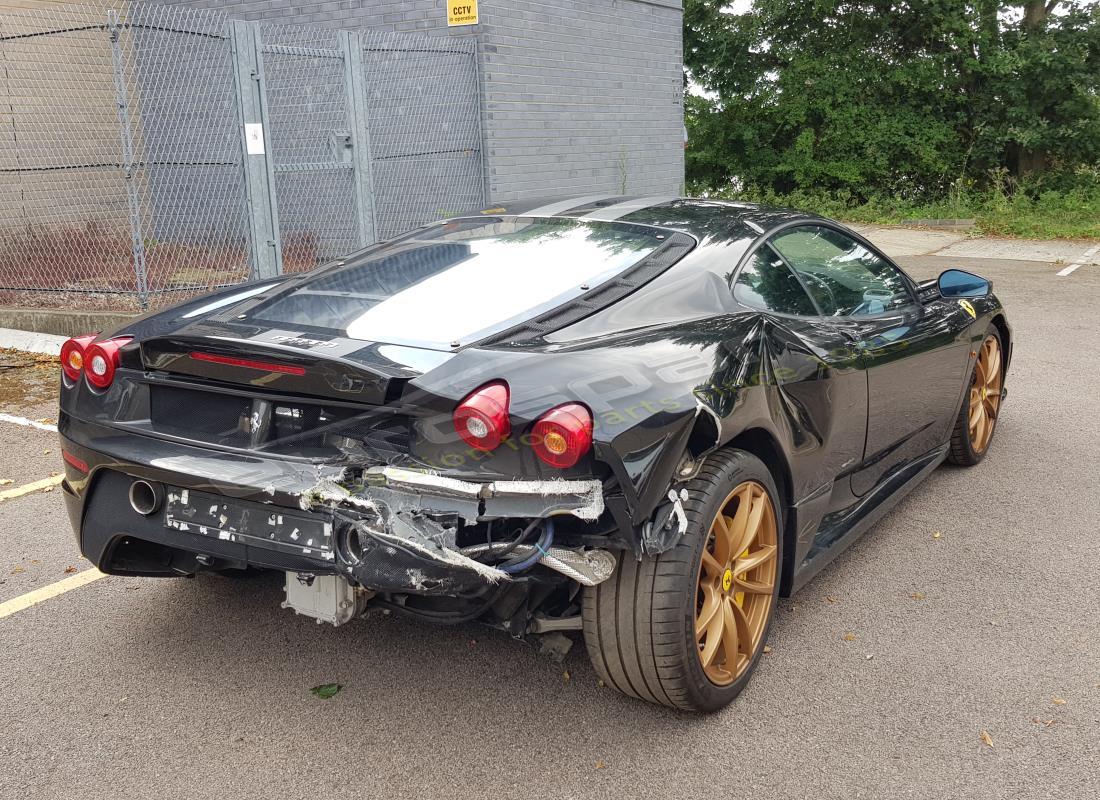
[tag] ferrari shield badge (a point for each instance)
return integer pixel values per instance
(968, 308)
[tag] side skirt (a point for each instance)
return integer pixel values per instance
(839, 529)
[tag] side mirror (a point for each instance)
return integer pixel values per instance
(957, 283)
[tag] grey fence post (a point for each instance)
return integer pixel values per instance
(479, 90)
(358, 124)
(256, 158)
(126, 134)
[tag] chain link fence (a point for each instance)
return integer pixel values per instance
(153, 153)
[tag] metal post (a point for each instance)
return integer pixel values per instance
(359, 125)
(479, 96)
(259, 176)
(133, 201)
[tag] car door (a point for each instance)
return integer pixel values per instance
(821, 378)
(914, 360)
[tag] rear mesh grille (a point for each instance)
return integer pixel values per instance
(311, 430)
(206, 416)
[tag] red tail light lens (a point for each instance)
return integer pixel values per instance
(72, 355)
(563, 434)
(248, 363)
(482, 418)
(101, 360)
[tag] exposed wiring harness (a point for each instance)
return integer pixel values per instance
(541, 546)
(505, 548)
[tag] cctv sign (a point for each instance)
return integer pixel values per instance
(461, 12)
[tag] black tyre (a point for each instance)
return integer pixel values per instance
(977, 420)
(722, 577)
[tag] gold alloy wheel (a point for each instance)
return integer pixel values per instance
(985, 395)
(736, 581)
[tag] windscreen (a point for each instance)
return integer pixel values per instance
(462, 280)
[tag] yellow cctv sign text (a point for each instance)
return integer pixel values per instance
(461, 12)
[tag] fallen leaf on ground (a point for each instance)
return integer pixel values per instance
(6, 481)
(850, 637)
(601, 765)
(1045, 722)
(1058, 701)
(326, 690)
(830, 599)
(565, 676)
(937, 534)
(987, 740)
(601, 684)
(17, 570)
(767, 648)
(70, 570)
(45, 452)
(917, 595)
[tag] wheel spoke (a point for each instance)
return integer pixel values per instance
(975, 408)
(993, 365)
(990, 408)
(712, 601)
(714, 638)
(979, 432)
(741, 623)
(754, 559)
(758, 505)
(976, 416)
(722, 536)
(711, 566)
(730, 635)
(980, 379)
(752, 587)
(734, 529)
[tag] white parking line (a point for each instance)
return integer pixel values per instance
(9, 607)
(29, 423)
(1079, 262)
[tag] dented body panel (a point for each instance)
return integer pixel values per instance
(850, 414)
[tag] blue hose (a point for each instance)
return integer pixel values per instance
(541, 546)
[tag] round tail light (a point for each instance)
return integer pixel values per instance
(563, 434)
(101, 360)
(72, 355)
(481, 419)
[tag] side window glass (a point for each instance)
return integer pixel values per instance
(844, 277)
(767, 284)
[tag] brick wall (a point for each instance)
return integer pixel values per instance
(579, 96)
(585, 99)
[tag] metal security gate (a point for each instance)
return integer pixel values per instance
(156, 153)
(424, 131)
(312, 80)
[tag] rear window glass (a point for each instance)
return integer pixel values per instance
(462, 280)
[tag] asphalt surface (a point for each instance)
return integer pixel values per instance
(971, 608)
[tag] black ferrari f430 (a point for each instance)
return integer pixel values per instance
(642, 419)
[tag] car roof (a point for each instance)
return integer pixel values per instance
(708, 220)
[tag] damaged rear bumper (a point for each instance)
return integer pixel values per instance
(389, 530)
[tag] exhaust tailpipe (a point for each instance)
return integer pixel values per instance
(146, 497)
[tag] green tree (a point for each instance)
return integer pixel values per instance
(865, 97)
